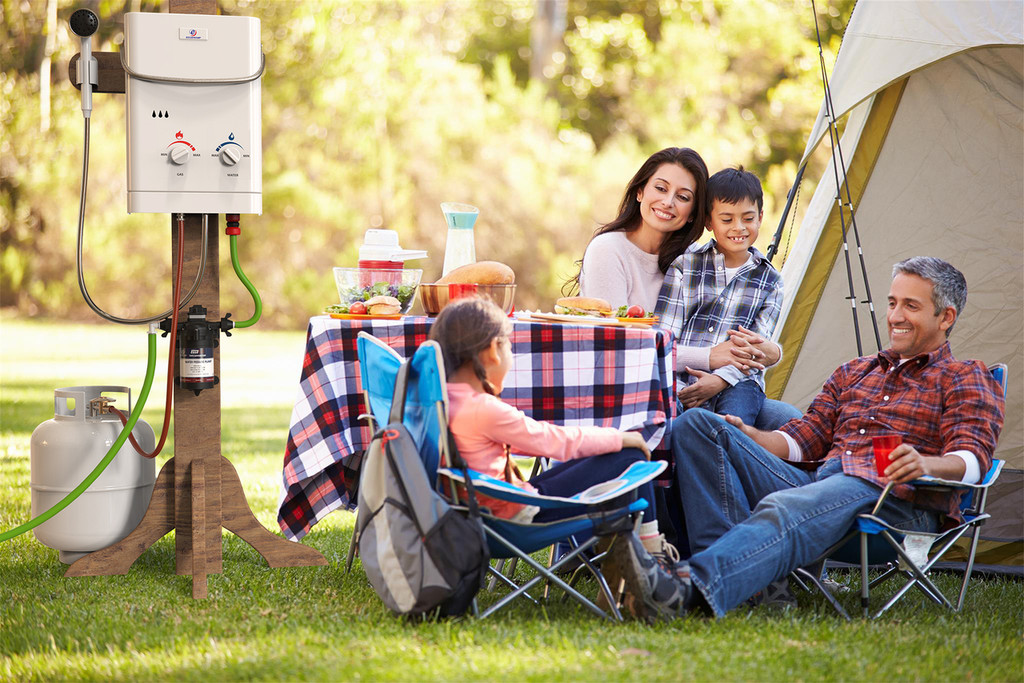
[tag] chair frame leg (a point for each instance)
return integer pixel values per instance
(543, 573)
(497, 574)
(920, 578)
(802, 575)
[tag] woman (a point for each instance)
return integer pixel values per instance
(661, 213)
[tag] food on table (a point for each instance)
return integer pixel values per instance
(348, 295)
(357, 308)
(583, 305)
(380, 305)
(633, 311)
(480, 273)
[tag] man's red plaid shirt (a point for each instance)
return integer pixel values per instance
(936, 402)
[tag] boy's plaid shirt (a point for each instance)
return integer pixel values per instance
(699, 308)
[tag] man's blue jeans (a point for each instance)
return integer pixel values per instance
(753, 518)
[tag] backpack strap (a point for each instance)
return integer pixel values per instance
(457, 461)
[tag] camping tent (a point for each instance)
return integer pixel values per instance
(933, 146)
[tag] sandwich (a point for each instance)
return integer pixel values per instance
(583, 305)
(383, 305)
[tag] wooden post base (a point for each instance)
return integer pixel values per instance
(206, 520)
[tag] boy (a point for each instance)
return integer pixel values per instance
(713, 290)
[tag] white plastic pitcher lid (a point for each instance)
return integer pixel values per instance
(382, 245)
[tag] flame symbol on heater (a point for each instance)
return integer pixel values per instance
(231, 136)
(178, 135)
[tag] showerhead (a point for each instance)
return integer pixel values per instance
(84, 23)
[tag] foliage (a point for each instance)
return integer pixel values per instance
(321, 623)
(375, 112)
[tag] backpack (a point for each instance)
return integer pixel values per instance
(419, 553)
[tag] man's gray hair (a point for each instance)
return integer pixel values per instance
(949, 286)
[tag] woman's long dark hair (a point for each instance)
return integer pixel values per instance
(629, 218)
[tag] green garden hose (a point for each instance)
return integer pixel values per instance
(257, 302)
(114, 450)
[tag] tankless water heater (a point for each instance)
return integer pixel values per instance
(193, 113)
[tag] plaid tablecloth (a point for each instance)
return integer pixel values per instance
(566, 374)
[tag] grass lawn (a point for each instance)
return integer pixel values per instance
(322, 624)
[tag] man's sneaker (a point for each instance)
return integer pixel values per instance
(776, 594)
(657, 593)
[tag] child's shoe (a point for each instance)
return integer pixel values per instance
(661, 550)
(657, 593)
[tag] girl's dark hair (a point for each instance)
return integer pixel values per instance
(629, 218)
(466, 327)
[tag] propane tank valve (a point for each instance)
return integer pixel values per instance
(99, 406)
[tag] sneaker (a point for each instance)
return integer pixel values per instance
(776, 595)
(661, 550)
(657, 593)
(833, 586)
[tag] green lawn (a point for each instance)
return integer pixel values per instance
(321, 624)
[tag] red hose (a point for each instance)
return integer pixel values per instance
(170, 355)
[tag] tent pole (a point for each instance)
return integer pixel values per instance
(860, 253)
(833, 135)
(773, 248)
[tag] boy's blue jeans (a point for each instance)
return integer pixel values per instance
(743, 399)
(753, 518)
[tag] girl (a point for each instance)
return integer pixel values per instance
(661, 213)
(474, 337)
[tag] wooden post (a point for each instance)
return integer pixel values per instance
(197, 491)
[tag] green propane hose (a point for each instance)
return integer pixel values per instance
(87, 482)
(256, 301)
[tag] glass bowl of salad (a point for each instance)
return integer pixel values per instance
(362, 284)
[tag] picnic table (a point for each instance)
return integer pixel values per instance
(563, 373)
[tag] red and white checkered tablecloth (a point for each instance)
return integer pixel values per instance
(566, 374)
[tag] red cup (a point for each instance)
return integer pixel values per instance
(883, 446)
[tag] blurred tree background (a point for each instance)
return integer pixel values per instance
(536, 111)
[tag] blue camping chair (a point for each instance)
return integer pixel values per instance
(599, 508)
(873, 541)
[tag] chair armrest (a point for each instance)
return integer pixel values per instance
(635, 475)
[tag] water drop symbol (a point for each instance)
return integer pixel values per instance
(231, 136)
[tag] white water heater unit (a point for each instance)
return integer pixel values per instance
(193, 113)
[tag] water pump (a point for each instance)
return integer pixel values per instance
(197, 338)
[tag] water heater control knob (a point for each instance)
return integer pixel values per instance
(230, 155)
(179, 154)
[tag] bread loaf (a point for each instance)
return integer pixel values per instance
(480, 273)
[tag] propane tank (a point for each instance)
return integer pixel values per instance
(65, 450)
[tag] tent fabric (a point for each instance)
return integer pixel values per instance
(936, 167)
(887, 40)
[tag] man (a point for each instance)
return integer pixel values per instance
(753, 517)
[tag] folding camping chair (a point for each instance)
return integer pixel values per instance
(598, 509)
(873, 541)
